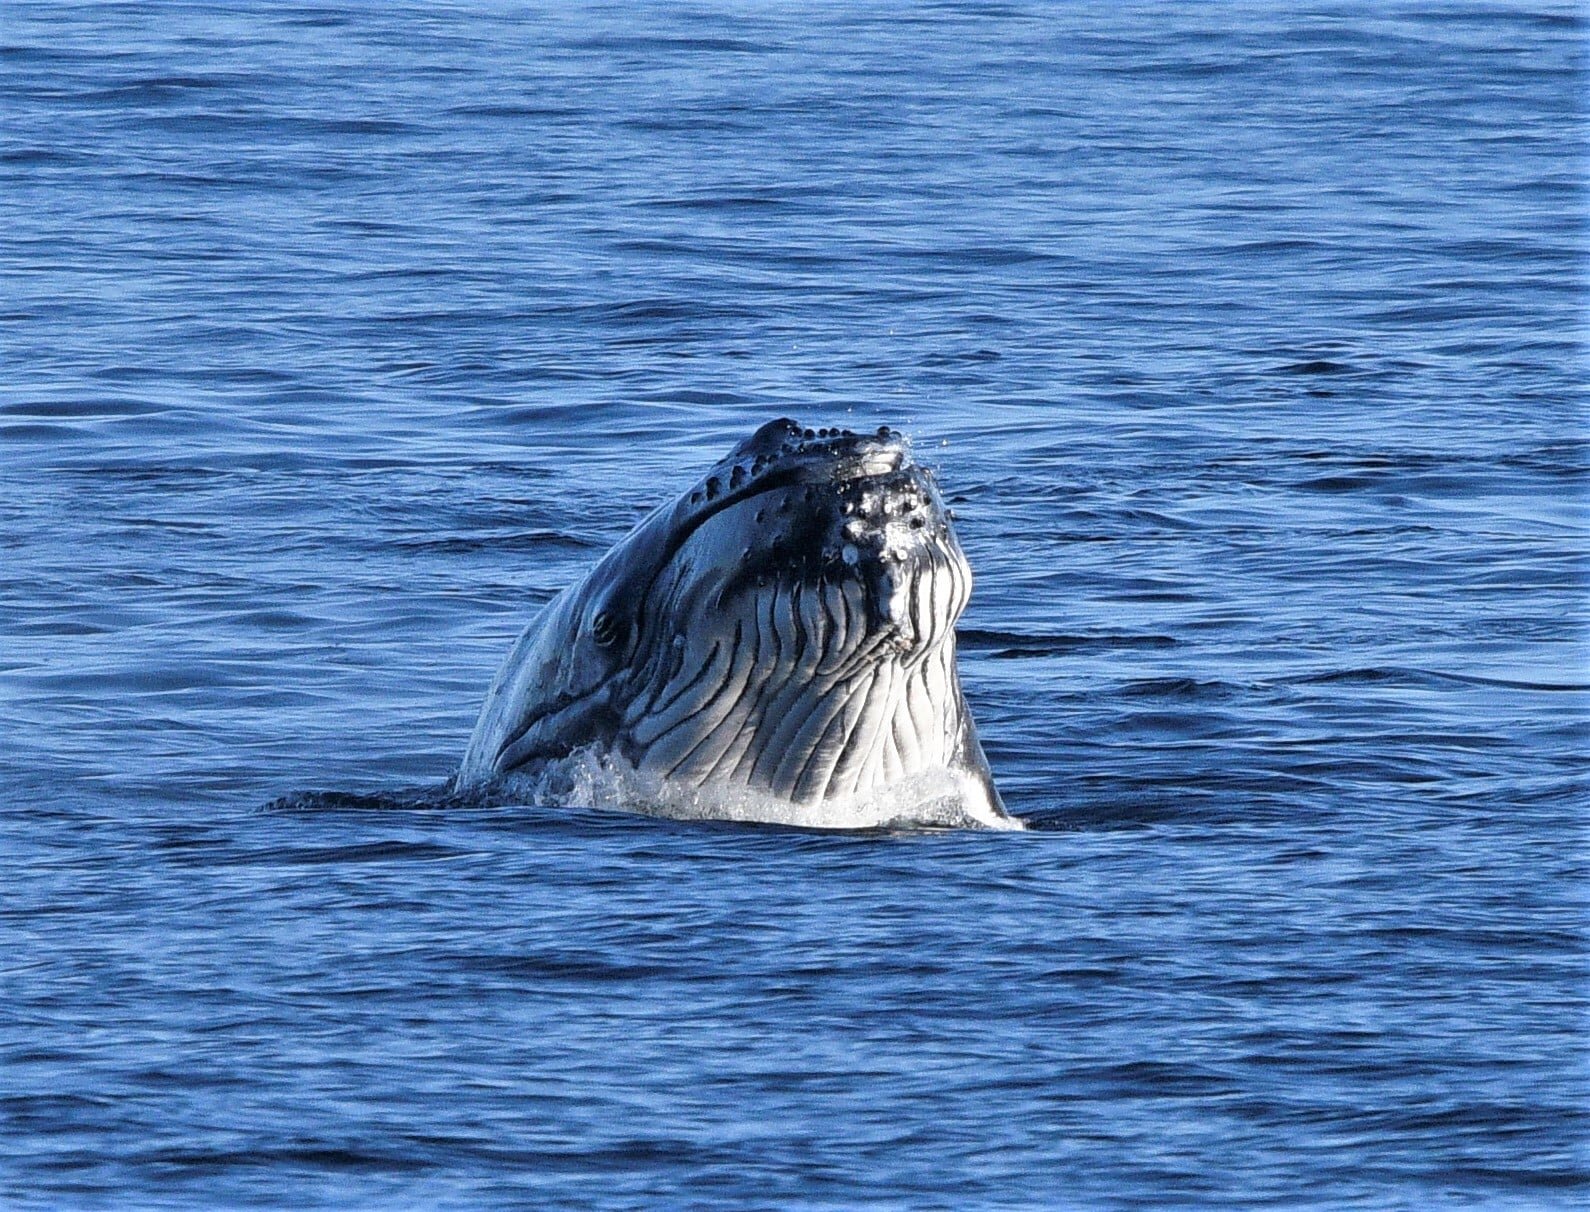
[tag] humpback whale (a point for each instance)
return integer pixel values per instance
(777, 644)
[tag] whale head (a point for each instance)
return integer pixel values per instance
(785, 627)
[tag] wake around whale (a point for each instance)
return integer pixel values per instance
(776, 645)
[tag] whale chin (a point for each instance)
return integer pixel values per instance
(777, 644)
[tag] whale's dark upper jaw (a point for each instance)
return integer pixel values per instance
(782, 454)
(784, 437)
(812, 473)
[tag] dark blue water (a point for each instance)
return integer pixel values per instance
(1249, 345)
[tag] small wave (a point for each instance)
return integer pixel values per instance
(370, 852)
(528, 540)
(646, 44)
(1315, 366)
(1007, 645)
(214, 1161)
(1178, 688)
(406, 799)
(1429, 677)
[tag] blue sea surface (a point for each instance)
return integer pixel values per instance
(1249, 343)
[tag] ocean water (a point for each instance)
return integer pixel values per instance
(1248, 341)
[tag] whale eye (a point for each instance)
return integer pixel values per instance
(605, 629)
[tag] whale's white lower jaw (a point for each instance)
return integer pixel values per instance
(939, 798)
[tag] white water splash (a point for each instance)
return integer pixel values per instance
(934, 799)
